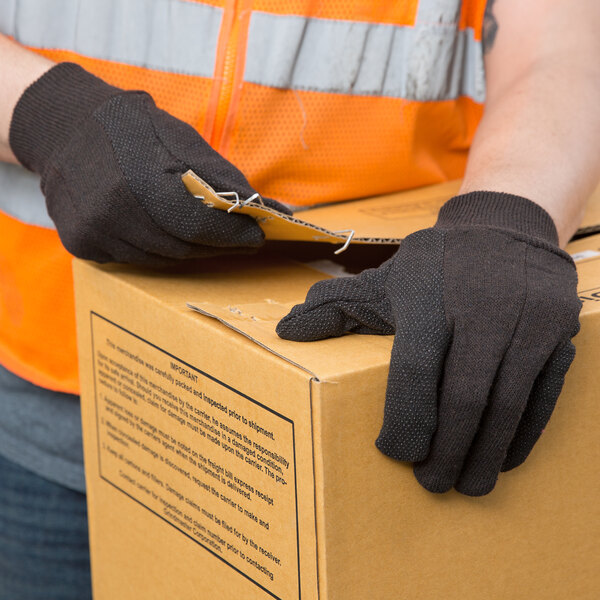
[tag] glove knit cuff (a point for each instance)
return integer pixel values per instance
(50, 110)
(499, 210)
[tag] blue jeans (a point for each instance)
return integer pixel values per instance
(44, 551)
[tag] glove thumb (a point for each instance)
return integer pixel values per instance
(337, 306)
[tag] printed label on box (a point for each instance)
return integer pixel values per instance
(590, 295)
(209, 460)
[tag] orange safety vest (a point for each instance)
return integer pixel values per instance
(313, 101)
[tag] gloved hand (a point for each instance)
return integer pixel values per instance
(483, 307)
(111, 165)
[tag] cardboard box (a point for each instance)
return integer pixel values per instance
(225, 463)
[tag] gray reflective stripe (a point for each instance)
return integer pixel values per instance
(168, 35)
(425, 62)
(21, 197)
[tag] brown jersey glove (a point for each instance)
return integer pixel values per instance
(483, 307)
(111, 165)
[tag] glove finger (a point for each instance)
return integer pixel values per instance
(140, 256)
(186, 218)
(89, 252)
(167, 146)
(184, 142)
(415, 282)
(149, 238)
(410, 413)
(507, 402)
(467, 381)
(541, 403)
(124, 251)
(337, 306)
(121, 251)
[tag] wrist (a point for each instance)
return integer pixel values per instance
(500, 211)
(50, 110)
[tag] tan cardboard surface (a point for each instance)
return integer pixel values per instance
(383, 219)
(398, 215)
(354, 524)
(160, 384)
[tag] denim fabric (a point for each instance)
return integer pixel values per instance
(43, 538)
(40, 430)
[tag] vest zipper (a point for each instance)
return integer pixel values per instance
(225, 75)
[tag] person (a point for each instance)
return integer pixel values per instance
(106, 104)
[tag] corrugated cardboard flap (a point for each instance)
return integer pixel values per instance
(321, 359)
(275, 225)
(385, 219)
(254, 321)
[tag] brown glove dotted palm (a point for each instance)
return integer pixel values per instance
(483, 307)
(111, 165)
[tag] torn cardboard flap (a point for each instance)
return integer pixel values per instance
(275, 225)
(257, 322)
(383, 219)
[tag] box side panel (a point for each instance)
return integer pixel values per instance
(534, 536)
(319, 481)
(198, 454)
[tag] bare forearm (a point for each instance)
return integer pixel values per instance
(18, 69)
(540, 135)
